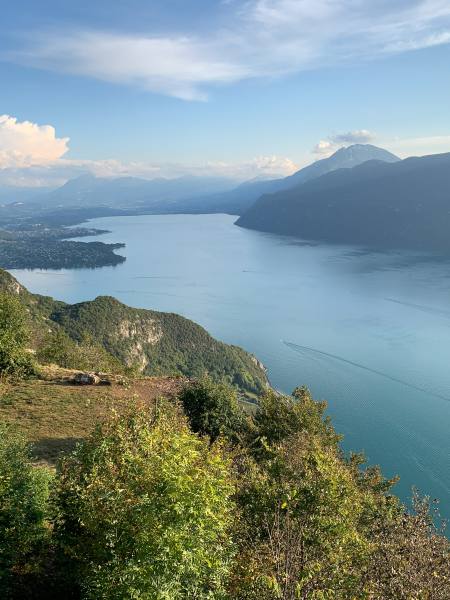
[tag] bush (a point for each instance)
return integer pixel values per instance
(145, 510)
(213, 409)
(23, 507)
(15, 361)
(411, 557)
(279, 416)
(58, 348)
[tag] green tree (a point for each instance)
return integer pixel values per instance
(279, 416)
(15, 361)
(145, 509)
(303, 536)
(23, 508)
(213, 409)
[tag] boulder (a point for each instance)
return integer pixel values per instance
(86, 379)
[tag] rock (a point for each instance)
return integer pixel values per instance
(86, 379)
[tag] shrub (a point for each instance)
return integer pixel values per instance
(411, 557)
(58, 348)
(145, 510)
(213, 409)
(15, 361)
(279, 416)
(23, 507)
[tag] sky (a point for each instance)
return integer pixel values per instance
(232, 88)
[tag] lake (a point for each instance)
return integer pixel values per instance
(369, 332)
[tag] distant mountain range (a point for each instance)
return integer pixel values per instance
(360, 195)
(401, 204)
(189, 194)
(240, 199)
(127, 193)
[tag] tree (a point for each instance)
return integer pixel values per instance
(411, 557)
(15, 361)
(213, 409)
(303, 510)
(145, 508)
(23, 508)
(279, 416)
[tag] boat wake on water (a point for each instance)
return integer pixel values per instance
(314, 351)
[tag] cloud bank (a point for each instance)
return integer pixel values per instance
(261, 39)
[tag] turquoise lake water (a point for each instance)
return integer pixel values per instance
(368, 332)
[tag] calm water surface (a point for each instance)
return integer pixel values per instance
(368, 332)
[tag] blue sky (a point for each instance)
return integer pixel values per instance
(238, 88)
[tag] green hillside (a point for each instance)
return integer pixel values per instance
(145, 341)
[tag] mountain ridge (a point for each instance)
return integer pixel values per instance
(240, 199)
(376, 204)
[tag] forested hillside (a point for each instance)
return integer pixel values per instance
(104, 332)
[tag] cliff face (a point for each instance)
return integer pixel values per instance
(151, 342)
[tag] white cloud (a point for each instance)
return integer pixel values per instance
(264, 38)
(32, 155)
(23, 144)
(338, 140)
(176, 66)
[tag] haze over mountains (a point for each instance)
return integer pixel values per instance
(240, 199)
(402, 204)
(131, 192)
(190, 194)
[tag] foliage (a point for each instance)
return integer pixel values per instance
(310, 511)
(411, 557)
(279, 416)
(213, 409)
(15, 361)
(58, 348)
(159, 343)
(23, 507)
(314, 525)
(145, 510)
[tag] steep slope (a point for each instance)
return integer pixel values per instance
(240, 199)
(154, 343)
(399, 205)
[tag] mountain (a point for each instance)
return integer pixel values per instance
(154, 343)
(240, 199)
(130, 193)
(403, 204)
(188, 194)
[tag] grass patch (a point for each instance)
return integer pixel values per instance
(54, 415)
